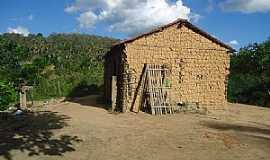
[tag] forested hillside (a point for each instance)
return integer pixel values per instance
(57, 65)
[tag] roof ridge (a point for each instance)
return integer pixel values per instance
(182, 21)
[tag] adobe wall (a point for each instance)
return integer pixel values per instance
(199, 66)
(115, 65)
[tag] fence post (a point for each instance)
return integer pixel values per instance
(114, 92)
(23, 99)
(23, 102)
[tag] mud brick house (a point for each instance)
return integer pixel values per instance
(172, 65)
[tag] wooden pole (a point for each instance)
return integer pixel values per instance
(23, 99)
(114, 92)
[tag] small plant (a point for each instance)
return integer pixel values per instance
(8, 95)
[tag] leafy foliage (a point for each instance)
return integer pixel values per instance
(250, 75)
(55, 65)
(7, 95)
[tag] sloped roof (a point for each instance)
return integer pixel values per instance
(187, 24)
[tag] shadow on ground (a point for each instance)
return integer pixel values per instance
(259, 134)
(91, 101)
(33, 134)
(240, 128)
(87, 95)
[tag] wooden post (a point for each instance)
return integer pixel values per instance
(114, 92)
(139, 90)
(23, 99)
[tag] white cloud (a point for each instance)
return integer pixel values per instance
(129, 16)
(87, 19)
(19, 30)
(234, 42)
(70, 9)
(195, 17)
(246, 6)
(30, 17)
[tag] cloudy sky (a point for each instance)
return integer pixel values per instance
(238, 22)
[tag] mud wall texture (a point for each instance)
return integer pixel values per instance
(199, 66)
(115, 64)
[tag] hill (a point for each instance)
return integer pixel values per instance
(57, 65)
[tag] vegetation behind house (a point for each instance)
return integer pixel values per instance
(72, 65)
(57, 65)
(249, 81)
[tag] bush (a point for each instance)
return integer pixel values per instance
(249, 81)
(8, 95)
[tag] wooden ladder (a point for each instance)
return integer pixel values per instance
(156, 89)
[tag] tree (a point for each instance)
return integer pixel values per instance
(7, 95)
(55, 65)
(250, 75)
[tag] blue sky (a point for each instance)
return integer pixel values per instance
(237, 21)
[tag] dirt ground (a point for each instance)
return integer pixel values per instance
(83, 130)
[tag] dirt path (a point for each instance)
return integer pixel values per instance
(84, 131)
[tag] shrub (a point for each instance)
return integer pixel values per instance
(8, 95)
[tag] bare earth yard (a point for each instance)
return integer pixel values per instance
(83, 130)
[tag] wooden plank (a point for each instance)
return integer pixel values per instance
(141, 86)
